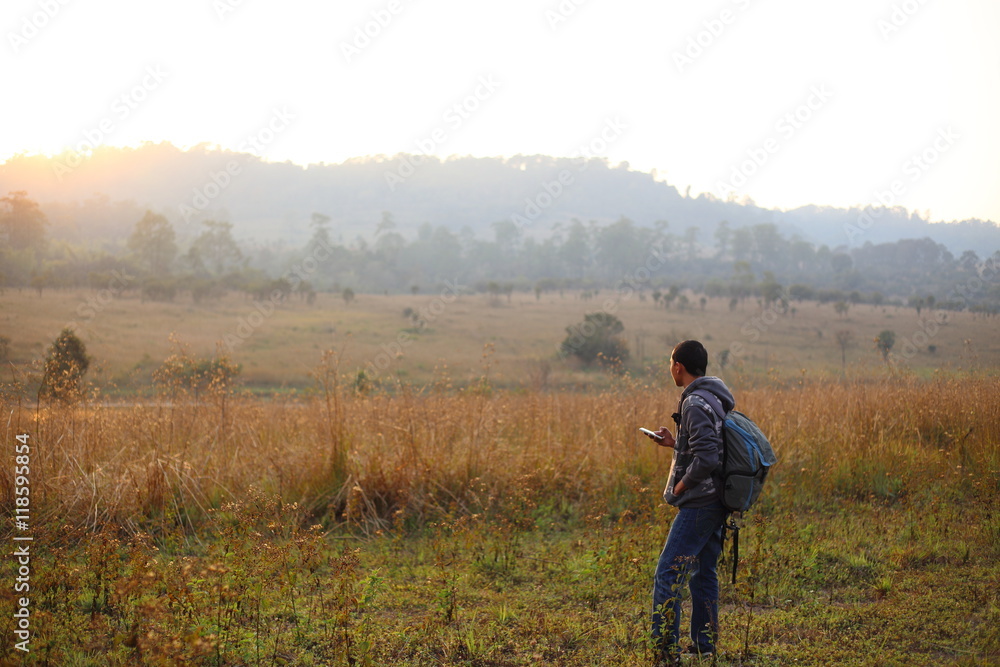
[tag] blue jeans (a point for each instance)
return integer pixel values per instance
(689, 557)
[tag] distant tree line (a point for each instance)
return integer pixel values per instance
(110, 188)
(666, 263)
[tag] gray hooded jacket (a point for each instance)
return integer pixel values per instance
(698, 451)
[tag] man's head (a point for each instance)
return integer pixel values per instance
(688, 361)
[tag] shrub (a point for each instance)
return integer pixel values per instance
(597, 338)
(65, 366)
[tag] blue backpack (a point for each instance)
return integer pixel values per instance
(747, 457)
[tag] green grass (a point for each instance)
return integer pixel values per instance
(858, 583)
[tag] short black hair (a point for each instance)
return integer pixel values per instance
(693, 355)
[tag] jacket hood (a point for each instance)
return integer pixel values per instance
(714, 386)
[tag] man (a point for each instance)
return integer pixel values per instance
(693, 545)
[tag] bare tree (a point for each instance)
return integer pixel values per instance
(845, 338)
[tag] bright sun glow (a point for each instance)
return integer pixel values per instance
(786, 102)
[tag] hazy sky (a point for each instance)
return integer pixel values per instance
(789, 102)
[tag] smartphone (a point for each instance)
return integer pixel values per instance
(651, 434)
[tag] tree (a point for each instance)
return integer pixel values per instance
(691, 242)
(493, 289)
(722, 236)
(153, 242)
(743, 281)
(741, 244)
(22, 221)
(40, 281)
(968, 261)
(386, 224)
(770, 289)
(801, 292)
(597, 338)
(215, 250)
(347, 295)
(321, 231)
(576, 251)
(841, 263)
(884, 342)
(65, 366)
(768, 244)
(672, 293)
(844, 340)
(618, 248)
(508, 237)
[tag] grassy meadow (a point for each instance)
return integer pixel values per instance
(485, 503)
(278, 351)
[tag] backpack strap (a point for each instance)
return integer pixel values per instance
(715, 403)
(712, 400)
(730, 523)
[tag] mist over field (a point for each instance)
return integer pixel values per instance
(98, 197)
(261, 261)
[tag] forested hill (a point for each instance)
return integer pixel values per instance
(102, 195)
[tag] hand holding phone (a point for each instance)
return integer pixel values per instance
(652, 435)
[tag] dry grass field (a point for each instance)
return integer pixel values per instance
(496, 527)
(485, 503)
(278, 347)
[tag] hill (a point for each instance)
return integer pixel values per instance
(100, 197)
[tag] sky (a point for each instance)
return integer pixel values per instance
(785, 102)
